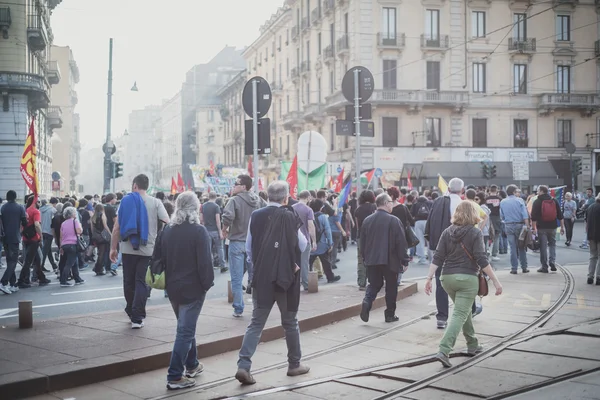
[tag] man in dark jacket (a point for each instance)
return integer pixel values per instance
(274, 245)
(366, 207)
(545, 213)
(385, 253)
(593, 237)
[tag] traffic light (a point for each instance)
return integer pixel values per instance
(492, 172)
(485, 168)
(577, 167)
(118, 170)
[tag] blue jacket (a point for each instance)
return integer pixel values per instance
(133, 220)
(326, 240)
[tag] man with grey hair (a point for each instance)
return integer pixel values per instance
(307, 216)
(274, 244)
(385, 253)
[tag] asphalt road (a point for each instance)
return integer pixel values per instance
(100, 294)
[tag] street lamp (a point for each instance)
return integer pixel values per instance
(134, 87)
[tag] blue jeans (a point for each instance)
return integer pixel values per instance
(217, 249)
(237, 267)
(12, 257)
(257, 324)
(185, 352)
(420, 232)
(516, 254)
(304, 257)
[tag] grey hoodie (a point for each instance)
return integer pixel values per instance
(453, 258)
(237, 214)
(47, 213)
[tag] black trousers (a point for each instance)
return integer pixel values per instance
(31, 258)
(47, 251)
(377, 274)
(134, 285)
(569, 228)
(12, 257)
(325, 262)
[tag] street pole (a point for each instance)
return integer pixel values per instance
(357, 129)
(107, 148)
(255, 133)
(572, 172)
(308, 160)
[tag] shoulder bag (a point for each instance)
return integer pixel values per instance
(156, 272)
(81, 245)
(411, 238)
(483, 284)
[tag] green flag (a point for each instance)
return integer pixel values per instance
(316, 179)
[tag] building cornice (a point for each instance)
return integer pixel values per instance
(276, 21)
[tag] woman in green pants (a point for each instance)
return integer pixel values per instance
(461, 253)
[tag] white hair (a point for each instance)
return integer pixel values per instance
(456, 185)
(187, 208)
(69, 212)
(278, 191)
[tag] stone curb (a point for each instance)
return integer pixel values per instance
(33, 384)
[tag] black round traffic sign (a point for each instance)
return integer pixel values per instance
(110, 146)
(366, 84)
(263, 97)
(570, 148)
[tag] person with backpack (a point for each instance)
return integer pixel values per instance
(420, 212)
(546, 215)
(324, 241)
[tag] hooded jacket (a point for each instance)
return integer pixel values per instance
(452, 257)
(237, 214)
(47, 212)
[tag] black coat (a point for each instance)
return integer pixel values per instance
(593, 222)
(439, 219)
(383, 241)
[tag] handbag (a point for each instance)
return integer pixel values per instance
(483, 284)
(411, 237)
(101, 237)
(81, 244)
(156, 272)
(29, 231)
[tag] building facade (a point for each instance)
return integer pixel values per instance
(140, 156)
(26, 76)
(209, 136)
(62, 120)
(168, 139)
(233, 117)
(455, 81)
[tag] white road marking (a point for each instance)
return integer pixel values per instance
(85, 291)
(11, 310)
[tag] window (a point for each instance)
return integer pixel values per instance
(287, 150)
(332, 34)
(563, 130)
(389, 74)
(331, 82)
(346, 23)
(389, 132)
(211, 115)
(307, 58)
(287, 67)
(563, 27)
(520, 27)
(332, 138)
(297, 99)
(280, 73)
(433, 127)
(563, 79)
(479, 132)
(319, 93)
(520, 78)
(433, 75)
(279, 48)
(319, 44)
(478, 78)
(478, 24)
(432, 24)
(521, 139)
(388, 23)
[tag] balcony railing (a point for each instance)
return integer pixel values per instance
(305, 67)
(343, 44)
(53, 73)
(54, 117)
(314, 112)
(328, 54)
(522, 45)
(295, 32)
(328, 6)
(292, 119)
(567, 100)
(316, 15)
(335, 102)
(521, 142)
(597, 48)
(74, 97)
(37, 34)
(387, 41)
(305, 24)
(419, 97)
(435, 42)
(34, 85)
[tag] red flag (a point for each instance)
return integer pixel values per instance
(339, 182)
(370, 175)
(173, 186)
(180, 184)
(29, 162)
(190, 187)
(331, 183)
(292, 178)
(212, 168)
(410, 186)
(260, 184)
(250, 168)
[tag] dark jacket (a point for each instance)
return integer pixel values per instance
(453, 259)
(403, 214)
(536, 212)
(13, 218)
(185, 250)
(438, 221)
(362, 212)
(593, 222)
(421, 202)
(276, 254)
(383, 241)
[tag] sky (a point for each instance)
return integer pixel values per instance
(155, 44)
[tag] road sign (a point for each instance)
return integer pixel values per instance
(56, 186)
(366, 85)
(365, 112)
(347, 128)
(378, 173)
(520, 170)
(263, 97)
(112, 149)
(570, 148)
(264, 137)
(56, 176)
(339, 169)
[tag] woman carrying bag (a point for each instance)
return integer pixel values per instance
(70, 229)
(461, 255)
(101, 239)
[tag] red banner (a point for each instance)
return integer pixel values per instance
(180, 184)
(339, 182)
(292, 179)
(29, 162)
(173, 186)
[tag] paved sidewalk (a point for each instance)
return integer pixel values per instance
(68, 352)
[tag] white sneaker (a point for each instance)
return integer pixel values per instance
(5, 289)
(14, 289)
(237, 315)
(136, 325)
(495, 258)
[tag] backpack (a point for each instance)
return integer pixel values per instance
(318, 228)
(549, 210)
(423, 211)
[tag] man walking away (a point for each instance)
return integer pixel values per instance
(420, 213)
(385, 253)
(307, 217)
(135, 231)
(235, 226)
(32, 236)
(366, 207)
(544, 215)
(274, 245)
(211, 219)
(593, 237)
(48, 211)
(589, 201)
(13, 217)
(514, 214)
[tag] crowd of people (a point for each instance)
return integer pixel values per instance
(276, 240)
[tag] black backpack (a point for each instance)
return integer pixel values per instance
(423, 211)
(318, 228)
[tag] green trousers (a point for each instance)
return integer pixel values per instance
(361, 270)
(462, 289)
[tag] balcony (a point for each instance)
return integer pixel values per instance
(54, 117)
(343, 45)
(440, 42)
(522, 46)
(74, 70)
(33, 85)
(520, 142)
(295, 73)
(293, 120)
(305, 24)
(277, 88)
(597, 48)
(385, 41)
(335, 103)
(53, 73)
(419, 98)
(74, 98)
(587, 103)
(305, 68)
(295, 33)
(314, 112)
(328, 54)
(316, 15)
(328, 6)
(37, 34)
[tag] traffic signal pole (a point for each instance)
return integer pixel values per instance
(107, 148)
